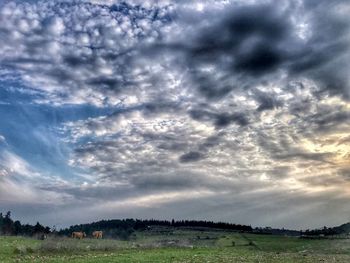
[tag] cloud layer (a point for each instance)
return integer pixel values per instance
(224, 110)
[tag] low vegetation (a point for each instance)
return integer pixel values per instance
(167, 244)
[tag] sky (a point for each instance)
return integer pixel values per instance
(235, 111)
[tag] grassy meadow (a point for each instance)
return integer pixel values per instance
(176, 246)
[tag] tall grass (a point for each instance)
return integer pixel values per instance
(69, 245)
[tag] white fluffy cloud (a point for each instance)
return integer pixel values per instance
(78, 52)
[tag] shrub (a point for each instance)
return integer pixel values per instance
(30, 250)
(20, 250)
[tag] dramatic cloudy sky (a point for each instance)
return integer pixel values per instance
(223, 110)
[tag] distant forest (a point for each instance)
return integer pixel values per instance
(11, 227)
(125, 228)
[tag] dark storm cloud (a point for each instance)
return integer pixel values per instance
(219, 120)
(266, 101)
(160, 106)
(326, 54)
(246, 42)
(252, 43)
(212, 141)
(233, 34)
(191, 157)
(300, 107)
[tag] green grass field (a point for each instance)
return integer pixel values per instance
(177, 246)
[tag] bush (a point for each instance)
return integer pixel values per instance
(30, 250)
(20, 250)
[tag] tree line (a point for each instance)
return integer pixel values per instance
(331, 231)
(124, 228)
(13, 228)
